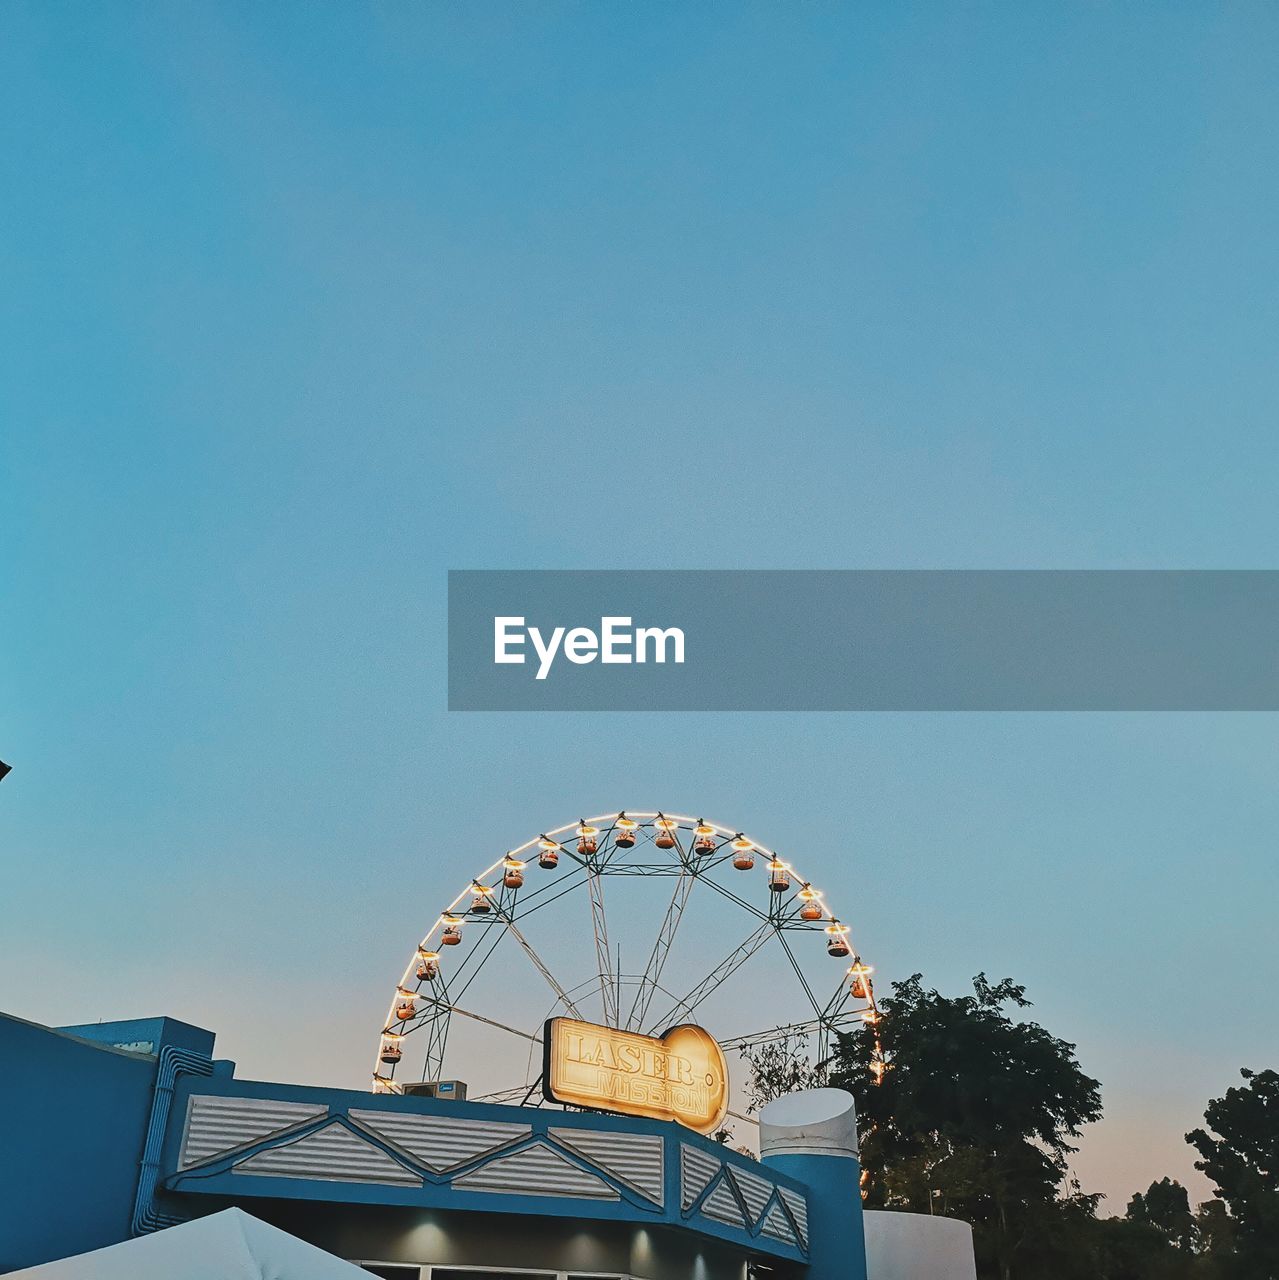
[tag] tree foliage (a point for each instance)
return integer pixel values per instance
(777, 1067)
(975, 1116)
(1240, 1153)
(1214, 1229)
(1165, 1207)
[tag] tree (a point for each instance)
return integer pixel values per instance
(777, 1067)
(1240, 1153)
(973, 1116)
(1166, 1207)
(1214, 1231)
(1130, 1249)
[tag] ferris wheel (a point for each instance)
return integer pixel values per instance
(728, 933)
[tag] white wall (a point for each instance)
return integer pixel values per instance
(915, 1246)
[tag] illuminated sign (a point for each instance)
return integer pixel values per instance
(679, 1076)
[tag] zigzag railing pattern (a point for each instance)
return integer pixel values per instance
(737, 1197)
(511, 1157)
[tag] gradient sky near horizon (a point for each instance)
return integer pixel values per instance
(302, 305)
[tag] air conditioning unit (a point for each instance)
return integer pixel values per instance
(450, 1090)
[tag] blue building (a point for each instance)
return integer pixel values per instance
(119, 1129)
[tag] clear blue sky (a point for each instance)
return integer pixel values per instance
(302, 305)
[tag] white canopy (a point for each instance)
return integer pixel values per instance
(224, 1246)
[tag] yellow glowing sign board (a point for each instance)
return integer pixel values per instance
(679, 1076)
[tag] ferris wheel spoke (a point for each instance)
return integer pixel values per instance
(493, 1022)
(717, 976)
(662, 945)
(739, 901)
(839, 1001)
(766, 1037)
(799, 973)
(481, 959)
(603, 956)
(422, 1019)
(543, 897)
(519, 1093)
(539, 964)
(434, 1020)
(473, 962)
